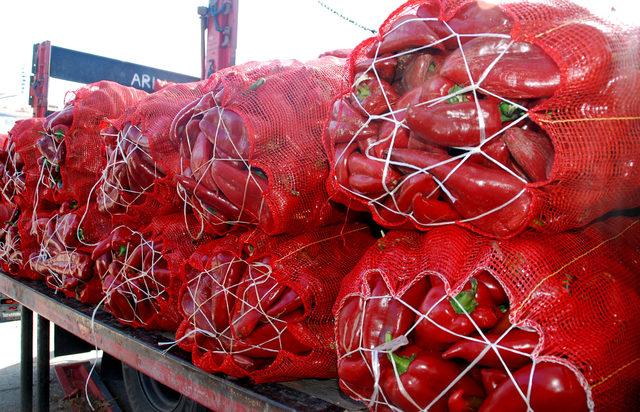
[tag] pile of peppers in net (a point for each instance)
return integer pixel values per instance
(542, 323)
(435, 130)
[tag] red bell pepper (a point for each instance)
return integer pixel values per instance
(424, 376)
(497, 149)
(454, 124)
(517, 339)
(495, 288)
(408, 32)
(262, 300)
(366, 175)
(449, 314)
(418, 70)
(386, 68)
(375, 96)
(460, 401)
(345, 122)
(525, 71)
(227, 132)
(429, 210)
(341, 167)
(243, 188)
(532, 151)
(471, 19)
(415, 186)
(492, 378)
(214, 202)
(554, 387)
(477, 190)
(355, 375)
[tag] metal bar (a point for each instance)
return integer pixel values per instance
(43, 364)
(141, 350)
(26, 360)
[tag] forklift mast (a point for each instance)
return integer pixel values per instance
(220, 22)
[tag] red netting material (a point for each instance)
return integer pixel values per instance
(591, 119)
(63, 254)
(577, 290)
(251, 147)
(11, 181)
(139, 272)
(260, 306)
(22, 157)
(72, 137)
(141, 158)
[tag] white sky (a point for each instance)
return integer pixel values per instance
(166, 34)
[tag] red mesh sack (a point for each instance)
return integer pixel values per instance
(24, 136)
(63, 255)
(450, 320)
(11, 259)
(251, 147)
(70, 146)
(20, 167)
(495, 118)
(139, 272)
(260, 306)
(11, 181)
(140, 158)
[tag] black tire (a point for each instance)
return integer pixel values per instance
(148, 395)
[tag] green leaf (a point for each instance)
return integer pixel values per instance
(122, 250)
(456, 99)
(80, 234)
(503, 308)
(58, 134)
(432, 67)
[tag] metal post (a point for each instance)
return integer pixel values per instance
(26, 360)
(43, 364)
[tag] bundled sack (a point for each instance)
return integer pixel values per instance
(251, 147)
(260, 306)
(11, 182)
(137, 181)
(19, 156)
(139, 272)
(64, 246)
(71, 154)
(452, 321)
(495, 118)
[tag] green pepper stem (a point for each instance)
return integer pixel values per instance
(402, 362)
(465, 301)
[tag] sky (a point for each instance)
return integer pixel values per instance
(166, 34)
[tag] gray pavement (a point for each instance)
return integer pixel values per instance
(10, 373)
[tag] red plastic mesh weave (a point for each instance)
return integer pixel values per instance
(146, 127)
(142, 291)
(24, 135)
(311, 265)
(92, 105)
(592, 119)
(578, 290)
(281, 106)
(63, 250)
